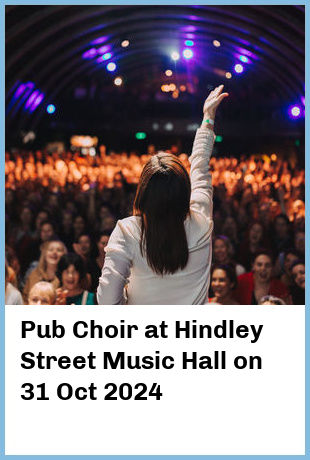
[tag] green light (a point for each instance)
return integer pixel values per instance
(297, 143)
(140, 136)
(218, 138)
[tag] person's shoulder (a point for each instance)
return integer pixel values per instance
(130, 226)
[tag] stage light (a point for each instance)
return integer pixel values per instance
(89, 54)
(175, 55)
(118, 81)
(140, 136)
(218, 139)
(216, 43)
(103, 49)
(228, 75)
(106, 56)
(165, 88)
(175, 94)
(238, 68)
(111, 67)
(189, 43)
(297, 143)
(155, 126)
(187, 53)
(125, 43)
(172, 87)
(182, 88)
(303, 100)
(273, 157)
(168, 126)
(243, 58)
(50, 108)
(168, 72)
(295, 111)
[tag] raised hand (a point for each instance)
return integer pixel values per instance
(213, 101)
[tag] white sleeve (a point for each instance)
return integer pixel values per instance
(201, 180)
(116, 269)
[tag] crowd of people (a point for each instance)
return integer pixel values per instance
(61, 210)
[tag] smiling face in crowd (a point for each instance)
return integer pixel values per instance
(54, 252)
(70, 278)
(221, 284)
(262, 268)
(220, 251)
(298, 274)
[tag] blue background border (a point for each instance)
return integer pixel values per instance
(2, 135)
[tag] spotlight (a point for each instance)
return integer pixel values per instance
(168, 126)
(106, 56)
(118, 81)
(111, 67)
(228, 75)
(182, 88)
(243, 58)
(168, 72)
(50, 108)
(238, 68)
(295, 111)
(273, 157)
(175, 94)
(172, 87)
(189, 43)
(187, 53)
(216, 43)
(175, 55)
(125, 43)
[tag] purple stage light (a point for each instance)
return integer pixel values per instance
(19, 91)
(31, 99)
(37, 102)
(238, 68)
(303, 100)
(103, 49)
(188, 53)
(99, 40)
(89, 54)
(295, 111)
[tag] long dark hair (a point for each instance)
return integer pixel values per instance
(163, 202)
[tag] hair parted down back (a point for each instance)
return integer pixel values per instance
(163, 202)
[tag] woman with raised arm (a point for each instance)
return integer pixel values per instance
(162, 254)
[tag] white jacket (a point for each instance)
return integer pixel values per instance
(125, 266)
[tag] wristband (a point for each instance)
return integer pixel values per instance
(210, 121)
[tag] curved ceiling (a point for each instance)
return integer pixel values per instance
(46, 45)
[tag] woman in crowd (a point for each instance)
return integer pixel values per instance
(259, 282)
(297, 270)
(163, 253)
(42, 293)
(51, 253)
(223, 281)
(223, 253)
(72, 275)
(102, 240)
(252, 242)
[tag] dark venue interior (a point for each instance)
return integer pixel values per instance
(93, 91)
